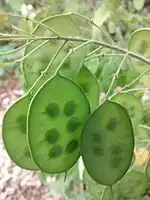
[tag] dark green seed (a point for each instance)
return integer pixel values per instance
(116, 156)
(52, 135)
(69, 108)
(111, 125)
(21, 120)
(84, 87)
(98, 151)
(71, 146)
(73, 124)
(53, 110)
(55, 151)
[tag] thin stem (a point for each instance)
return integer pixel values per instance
(102, 54)
(20, 29)
(111, 192)
(70, 52)
(115, 76)
(35, 21)
(135, 90)
(78, 39)
(95, 25)
(144, 126)
(95, 50)
(14, 50)
(131, 83)
(27, 55)
(48, 66)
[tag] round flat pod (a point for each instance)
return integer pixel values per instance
(140, 44)
(87, 81)
(133, 105)
(107, 143)
(56, 117)
(14, 134)
(34, 65)
(133, 184)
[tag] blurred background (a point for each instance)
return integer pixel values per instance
(18, 184)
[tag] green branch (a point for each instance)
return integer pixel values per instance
(78, 39)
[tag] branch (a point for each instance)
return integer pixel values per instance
(131, 83)
(78, 39)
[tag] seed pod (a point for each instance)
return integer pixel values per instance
(107, 143)
(87, 81)
(56, 117)
(133, 184)
(14, 134)
(133, 105)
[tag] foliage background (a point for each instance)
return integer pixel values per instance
(119, 24)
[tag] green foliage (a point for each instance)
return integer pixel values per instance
(61, 117)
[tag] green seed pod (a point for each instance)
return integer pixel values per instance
(107, 143)
(14, 134)
(87, 81)
(133, 184)
(133, 105)
(140, 44)
(56, 117)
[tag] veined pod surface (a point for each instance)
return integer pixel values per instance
(14, 134)
(107, 143)
(88, 82)
(56, 117)
(133, 105)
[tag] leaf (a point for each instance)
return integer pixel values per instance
(138, 5)
(112, 4)
(14, 134)
(56, 117)
(3, 17)
(107, 143)
(101, 15)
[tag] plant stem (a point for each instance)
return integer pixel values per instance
(131, 83)
(102, 54)
(14, 50)
(135, 90)
(35, 21)
(144, 126)
(95, 25)
(78, 39)
(115, 76)
(48, 66)
(27, 55)
(70, 52)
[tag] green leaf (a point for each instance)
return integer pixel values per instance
(138, 5)
(56, 117)
(14, 134)
(107, 143)
(112, 4)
